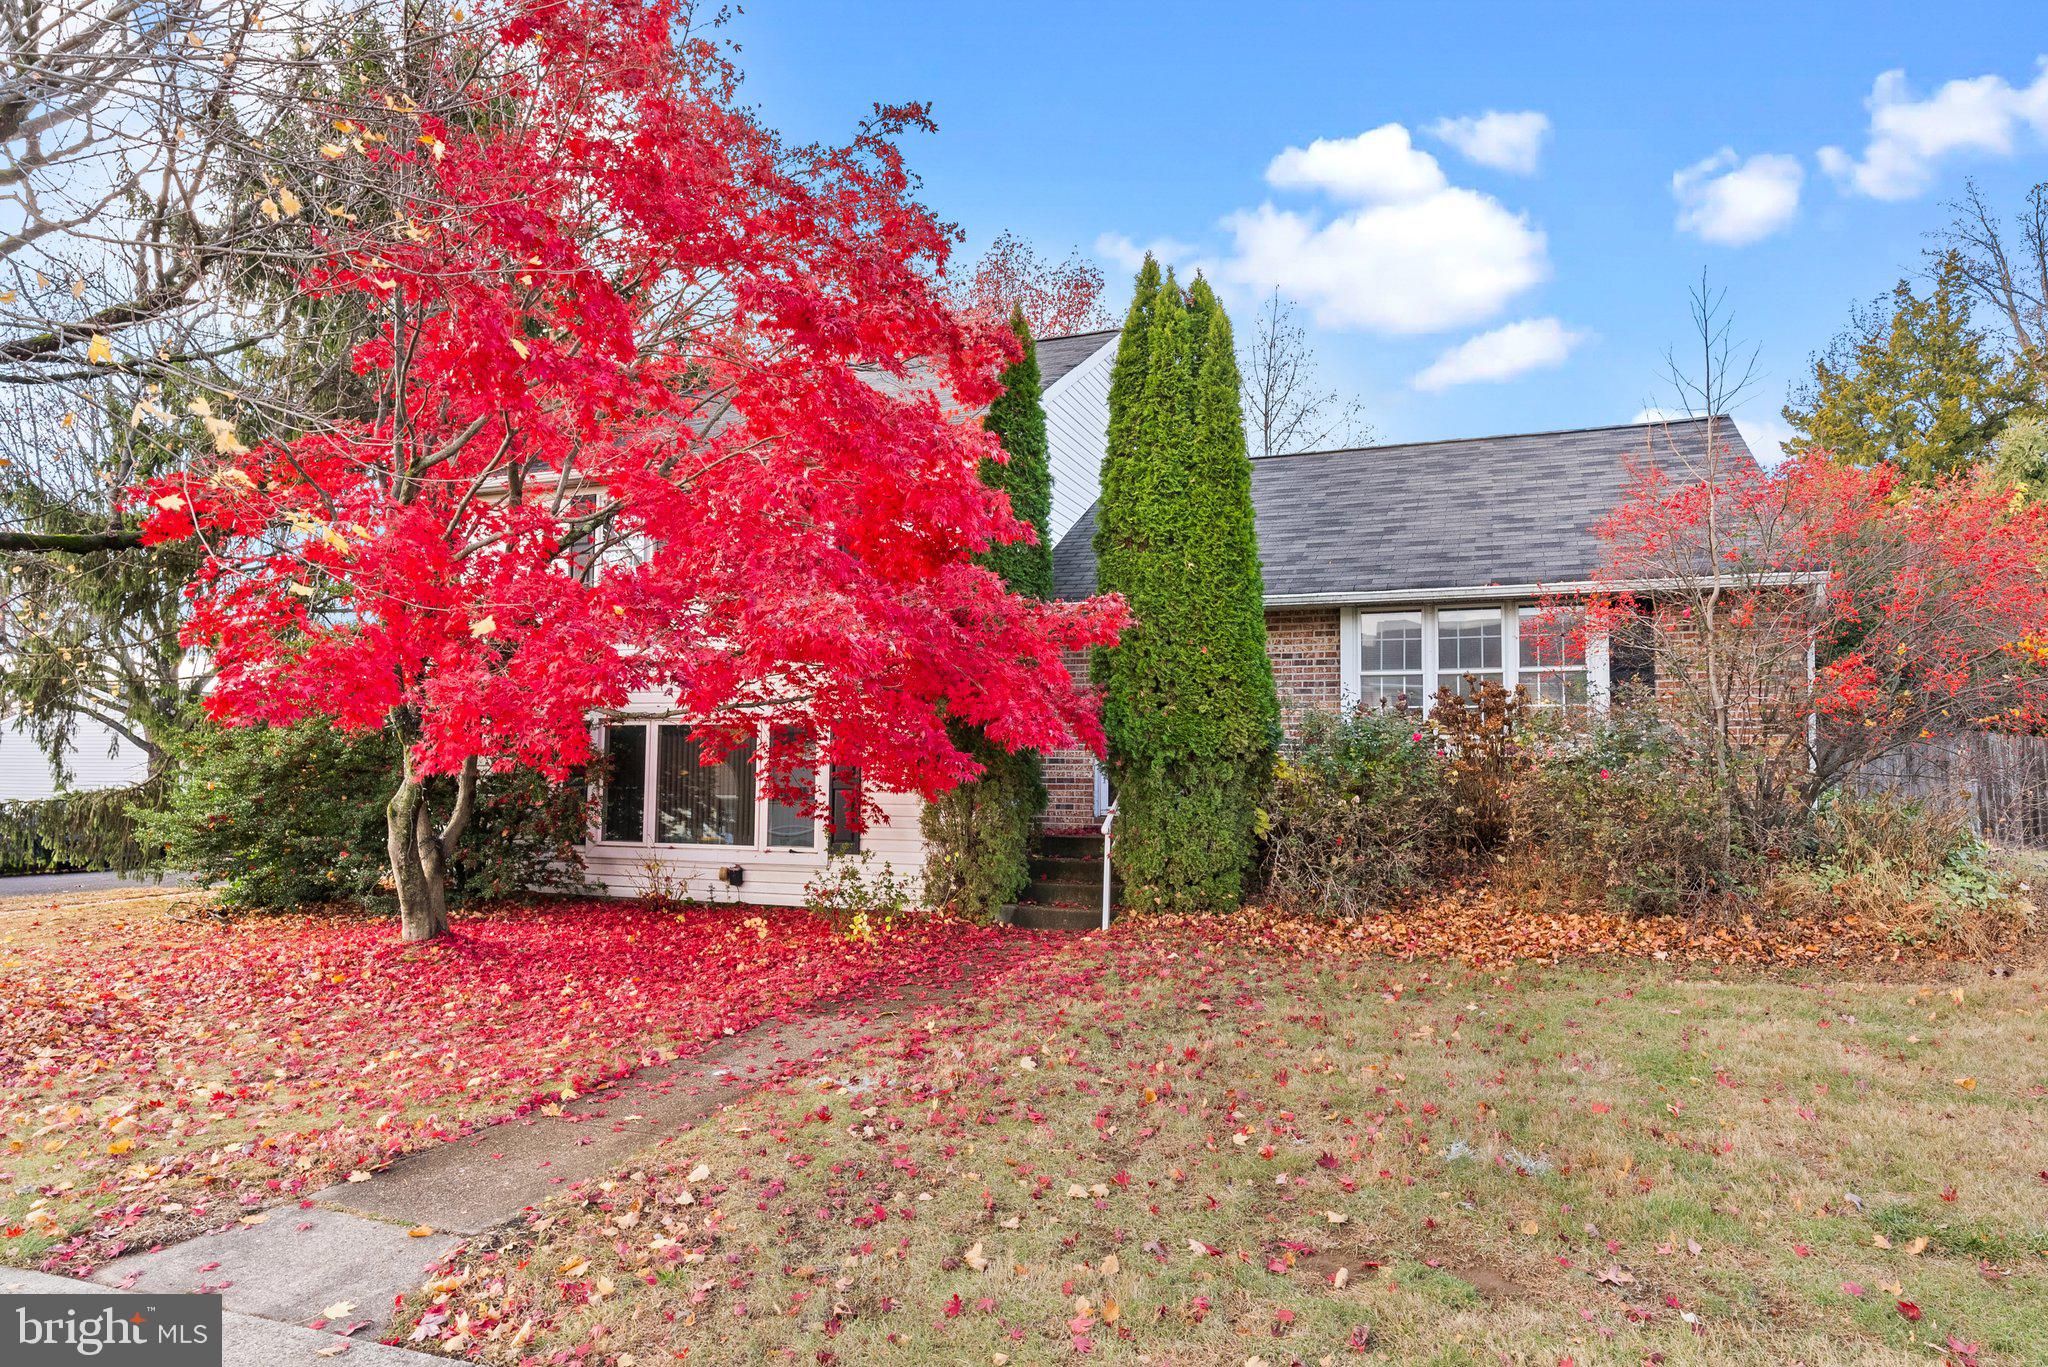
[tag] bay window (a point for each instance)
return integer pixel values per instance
(661, 787)
(1395, 658)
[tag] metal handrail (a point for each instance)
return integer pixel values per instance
(1107, 822)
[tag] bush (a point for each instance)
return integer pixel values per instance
(1920, 870)
(857, 898)
(978, 835)
(293, 816)
(1604, 812)
(1479, 734)
(1357, 814)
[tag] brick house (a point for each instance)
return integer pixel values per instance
(1388, 570)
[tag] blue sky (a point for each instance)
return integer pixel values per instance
(1521, 273)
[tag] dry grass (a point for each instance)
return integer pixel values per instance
(1601, 1163)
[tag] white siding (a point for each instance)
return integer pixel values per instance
(1077, 432)
(24, 774)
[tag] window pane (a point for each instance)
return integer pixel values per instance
(1464, 686)
(1552, 640)
(1468, 639)
(789, 823)
(843, 810)
(1380, 691)
(625, 783)
(1390, 641)
(1557, 687)
(698, 803)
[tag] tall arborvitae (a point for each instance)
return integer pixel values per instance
(977, 837)
(1188, 698)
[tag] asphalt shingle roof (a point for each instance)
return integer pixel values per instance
(1058, 355)
(1443, 514)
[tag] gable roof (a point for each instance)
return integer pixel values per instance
(1058, 355)
(1378, 522)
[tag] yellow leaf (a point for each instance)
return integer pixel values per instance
(1917, 1247)
(78, 288)
(420, 1231)
(338, 1309)
(270, 210)
(120, 1146)
(99, 350)
(289, 202)
(483, 627)
(333, 151)
(170, 503)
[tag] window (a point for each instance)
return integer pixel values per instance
(1468, 642)
(842, 811)
(1390, 660)
(793, 825)
(1551, 661)
(625, 784)
(698, 803)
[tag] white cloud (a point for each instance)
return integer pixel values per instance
(1765, 435)
(1502, 354)
(1982, 114)
(1729, 200)
(1449, 260)
(1128, 256)
(1507, 142)
(1401, 251)
(1379, 166)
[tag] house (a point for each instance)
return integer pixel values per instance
(1389, 570)
(667, 823)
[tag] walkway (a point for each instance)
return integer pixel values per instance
(350, 1253)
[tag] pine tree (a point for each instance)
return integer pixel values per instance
(1188, 698)
(1914, 385)
(978, 835)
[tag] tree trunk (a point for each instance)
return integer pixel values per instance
(420, 855)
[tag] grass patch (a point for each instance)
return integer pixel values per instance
(1165, 1147)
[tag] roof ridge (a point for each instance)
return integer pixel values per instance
(1499, 436)
(1071, 336)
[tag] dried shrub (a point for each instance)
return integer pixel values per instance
(1479, 734)
(1605, 813)
(1917, 869)
(1358, 813)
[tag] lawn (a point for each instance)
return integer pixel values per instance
(164, 1071)
(1184, 1145)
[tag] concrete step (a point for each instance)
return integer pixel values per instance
(1069, 870)
(1060, 892)
(1034, 917)
(1070, 846)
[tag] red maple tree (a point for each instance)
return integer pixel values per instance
(660, 403)
(1809, 620)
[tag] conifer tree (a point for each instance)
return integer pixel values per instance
(1188, 698)
(1912, 383)
(977, 836)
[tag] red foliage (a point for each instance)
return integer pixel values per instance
(182, 1073)
(625, 315)
(1921, 610)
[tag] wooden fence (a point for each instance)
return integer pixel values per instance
(2002, 780)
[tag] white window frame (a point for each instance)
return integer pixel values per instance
(1350, 652)
(820, 774)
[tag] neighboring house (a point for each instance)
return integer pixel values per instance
(97, 759)
(1389, 570)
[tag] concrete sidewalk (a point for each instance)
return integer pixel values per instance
(247, 1340)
